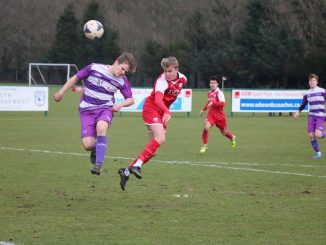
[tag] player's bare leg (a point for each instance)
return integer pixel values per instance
(89, 145)
(320, 134)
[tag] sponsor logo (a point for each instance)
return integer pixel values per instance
(39, 98)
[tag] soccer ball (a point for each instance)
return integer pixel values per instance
(93, 29)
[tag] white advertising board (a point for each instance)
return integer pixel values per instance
(15, 98)
(244, 100)
(182, 104)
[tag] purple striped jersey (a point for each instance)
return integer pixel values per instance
(100, 87)
(316, 98)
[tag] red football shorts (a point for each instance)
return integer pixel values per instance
(153, 117)
(220, 123)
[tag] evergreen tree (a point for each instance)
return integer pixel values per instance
(103, 50)
(253, 39)
(309, 25)
(151, 61)
(266, 46)
(220, 39)
(66, 39)
(196, 36)
(178, 49)
(289, 53)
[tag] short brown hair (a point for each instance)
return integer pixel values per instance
(313, 75)
(129, 59)
(169, 61)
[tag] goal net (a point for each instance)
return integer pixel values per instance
(51, 73)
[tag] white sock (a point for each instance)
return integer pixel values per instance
(139, 163)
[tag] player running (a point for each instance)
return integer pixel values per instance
(156, 115)
(215, 116)
(316, 98)
(97, 102)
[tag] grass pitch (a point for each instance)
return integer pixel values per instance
(267, 190)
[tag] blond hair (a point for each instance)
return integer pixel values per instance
(169, 61)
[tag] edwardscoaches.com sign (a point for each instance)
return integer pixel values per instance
(266, 100)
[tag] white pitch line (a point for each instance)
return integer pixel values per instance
(251, 164)
(6, 243)
(191, 163)
(254, 170)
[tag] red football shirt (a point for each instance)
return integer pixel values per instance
(169, 89)
(218, 100)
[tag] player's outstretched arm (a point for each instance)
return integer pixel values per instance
(70, 82)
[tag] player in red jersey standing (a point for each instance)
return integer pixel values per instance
(156, 115)
(215, 116)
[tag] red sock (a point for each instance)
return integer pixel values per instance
(229, 135)
(205, 136)
(148, 159)
(147, 153)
